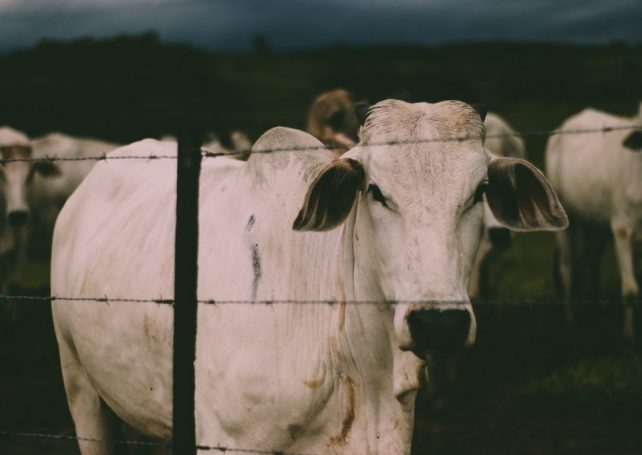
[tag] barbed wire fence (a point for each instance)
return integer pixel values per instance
(206, 153)
(185, 302)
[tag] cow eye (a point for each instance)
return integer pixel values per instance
(479, 192)
(377, 195)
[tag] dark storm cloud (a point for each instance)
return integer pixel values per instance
(228, 24)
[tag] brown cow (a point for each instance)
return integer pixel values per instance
(332, 119)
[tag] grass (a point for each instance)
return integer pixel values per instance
(599, 384)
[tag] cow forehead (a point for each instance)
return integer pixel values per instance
(433, 148)
(394, 120)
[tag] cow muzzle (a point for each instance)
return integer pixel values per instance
(18, 217)
(441, 330)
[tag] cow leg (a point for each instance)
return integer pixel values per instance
(623, 238)
(92, 418)
(564, 247)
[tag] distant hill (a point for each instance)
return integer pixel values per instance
(129, 87)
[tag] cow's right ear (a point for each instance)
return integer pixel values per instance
(521, 198)
(331, 196)
(633, 141)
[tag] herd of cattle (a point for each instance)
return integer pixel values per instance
(388, 215)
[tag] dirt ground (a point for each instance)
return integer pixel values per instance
(531, 385)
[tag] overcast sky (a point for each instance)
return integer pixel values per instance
(288, 24)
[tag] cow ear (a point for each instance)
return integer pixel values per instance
(521, 198)
(633, 141)
(46, 168)
(331, 196)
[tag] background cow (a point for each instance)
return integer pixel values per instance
(599, 178)
(496, 238)
(332, 120)
(49, 194)
(34, 191)
(15, 178)
(387, 224)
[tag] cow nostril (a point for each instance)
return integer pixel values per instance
(18, 217)
(438, 330)
(500, 237)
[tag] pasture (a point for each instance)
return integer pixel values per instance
(531, 384)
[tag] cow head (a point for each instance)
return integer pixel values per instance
(333, 120)
(419, 212)
(17, 173)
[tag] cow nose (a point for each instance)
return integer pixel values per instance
(500, 237)
(438, 330)
(18, 217)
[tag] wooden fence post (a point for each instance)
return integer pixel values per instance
(185, 285)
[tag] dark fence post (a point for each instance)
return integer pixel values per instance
(185, 284)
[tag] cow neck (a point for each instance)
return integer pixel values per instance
(409, 372)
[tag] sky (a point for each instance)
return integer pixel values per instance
(294, 24)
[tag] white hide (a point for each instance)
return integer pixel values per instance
(600, 182)
(50, 192)
(310, 378)
(501, 141)
(13, 182)
(13, 186)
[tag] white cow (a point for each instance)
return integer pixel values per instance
(16, 177)
(496, 239)
(49, 194)
(33, 192)
(599, 178)
(383, 225)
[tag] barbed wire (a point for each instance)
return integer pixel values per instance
(69, 437)
(213, 154)
(605, 129)
(474, 302)
(103, 157)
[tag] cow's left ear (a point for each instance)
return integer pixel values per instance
(521, 198)
(633, 141)
(331, 196)
(46, 168)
